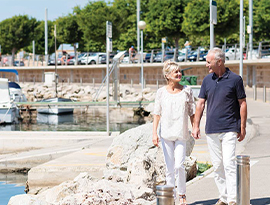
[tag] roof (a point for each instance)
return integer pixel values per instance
(66, 47)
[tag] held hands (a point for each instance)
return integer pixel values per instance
(155, 140)
(241, 135)
(196, 134)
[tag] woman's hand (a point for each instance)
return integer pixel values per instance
(155, 140)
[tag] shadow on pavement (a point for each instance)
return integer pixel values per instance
(260, 201)
(206, 202)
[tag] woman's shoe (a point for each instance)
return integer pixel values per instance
(183, 200)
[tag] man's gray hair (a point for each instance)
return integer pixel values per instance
(219, 54)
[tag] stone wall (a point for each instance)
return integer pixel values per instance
(152, 72)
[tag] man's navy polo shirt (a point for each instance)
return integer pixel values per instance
(223, 109)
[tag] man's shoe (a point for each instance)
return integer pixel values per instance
(219, 202)
(232, 203)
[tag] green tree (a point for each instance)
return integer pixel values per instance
(125, 12)
(39, 37)
(261, 20)
(196, 21)
(165, 18)
(92, 22)
(124, 23)
(68, 30)
(16, 33)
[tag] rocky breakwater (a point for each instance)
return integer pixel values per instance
(134, 167)
(84, 93)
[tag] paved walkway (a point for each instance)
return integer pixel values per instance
(201, 190)
(204, 191)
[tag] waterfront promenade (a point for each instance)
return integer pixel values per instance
(201, 190)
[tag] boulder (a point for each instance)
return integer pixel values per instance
(83, 190)
(26, 199)
(132, 158)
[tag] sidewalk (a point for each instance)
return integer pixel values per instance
(204, 190)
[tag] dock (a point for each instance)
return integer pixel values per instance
(32, 106)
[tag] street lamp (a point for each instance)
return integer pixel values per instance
(142, 26)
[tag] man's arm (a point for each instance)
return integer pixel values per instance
(198, 115)
(243, 115)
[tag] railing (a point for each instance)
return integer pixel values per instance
(260, 50)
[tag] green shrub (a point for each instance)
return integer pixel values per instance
(202, 167)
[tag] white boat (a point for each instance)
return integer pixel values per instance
(8, 109)
(54, 109)
(16, 92)
(54, 119)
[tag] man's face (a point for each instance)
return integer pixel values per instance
(211, 63)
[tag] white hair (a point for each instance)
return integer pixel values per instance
(168, 67)
(219, 54)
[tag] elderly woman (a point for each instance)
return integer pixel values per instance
(173, 104)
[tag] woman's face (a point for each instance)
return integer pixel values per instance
(175, 75)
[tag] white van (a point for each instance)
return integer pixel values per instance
(94, 58)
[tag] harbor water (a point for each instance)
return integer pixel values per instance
(10, 185)
(93, 119)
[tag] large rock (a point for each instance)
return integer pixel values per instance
(83, 190)
(132, 158)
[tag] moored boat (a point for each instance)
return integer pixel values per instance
(54, 109)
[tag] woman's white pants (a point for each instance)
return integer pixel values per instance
(222, 151)
(174, 155)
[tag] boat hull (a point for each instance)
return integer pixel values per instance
(55, 110)
(8, 115)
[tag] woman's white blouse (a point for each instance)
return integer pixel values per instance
(174, 110)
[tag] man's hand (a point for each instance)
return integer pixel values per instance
(155, 140)
(241, 135)
(196, 134)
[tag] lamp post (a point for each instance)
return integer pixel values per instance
(142, 26)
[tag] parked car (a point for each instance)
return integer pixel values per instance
(203, 57)
(167, 55)
(103, 59)
(81, 56)
(125, 58)
(147, 57)
(193, 56)
(181, 57)
(92, 59)
(231, 55)
(52, 59)
(69, 62)
(16, 63)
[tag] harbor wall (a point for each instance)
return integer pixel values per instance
(254, 72)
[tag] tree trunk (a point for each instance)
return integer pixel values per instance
(13, 56)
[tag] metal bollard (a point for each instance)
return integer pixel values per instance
(264, 93)
(243, 179)
(254, 92)
(165, 195)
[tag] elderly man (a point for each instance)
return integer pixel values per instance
(225, 121)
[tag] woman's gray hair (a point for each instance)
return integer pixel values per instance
(168, 67)
(219, 54)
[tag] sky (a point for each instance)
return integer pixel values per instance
(36, 8)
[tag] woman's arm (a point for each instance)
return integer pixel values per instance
(155, 126)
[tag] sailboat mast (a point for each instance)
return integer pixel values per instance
(55, 79)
